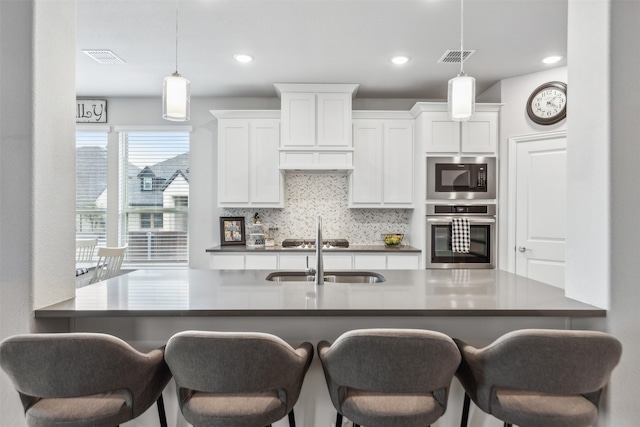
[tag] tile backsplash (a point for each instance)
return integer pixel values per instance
(310, 195)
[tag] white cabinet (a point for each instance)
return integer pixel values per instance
(343, 260)
(316, 119)
(227, 261)
(331, 261)
(248, 174)
(403, 262)
(257, 261)
(438, 134)
(376, 261)
(316, 126)
(382, 176)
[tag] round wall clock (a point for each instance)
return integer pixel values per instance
(547, 104)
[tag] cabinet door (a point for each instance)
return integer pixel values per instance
(233, 162)
(334, 119)
(266, 178)
(440, 134)
(298, 119)
(366, 178)
(369, 261)
(293, 261)
(403, 262)
(227, 261)
(398, 163)
(333, 261)
(480, 133)
(261, 261)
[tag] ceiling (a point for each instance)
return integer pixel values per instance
(312, 41)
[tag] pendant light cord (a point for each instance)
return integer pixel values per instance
(176, 37)
(461, 35)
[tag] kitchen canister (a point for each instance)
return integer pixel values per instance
(256, 236)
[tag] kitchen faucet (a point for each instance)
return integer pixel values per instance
(319, 270)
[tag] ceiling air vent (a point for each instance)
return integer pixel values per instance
(453, 56)
(104, 56)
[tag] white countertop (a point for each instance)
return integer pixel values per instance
(247, 293)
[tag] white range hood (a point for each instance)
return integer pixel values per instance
(316, 134)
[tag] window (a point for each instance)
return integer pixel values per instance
(154, 196)
(148, 220)
(91, 185)
(147, 184)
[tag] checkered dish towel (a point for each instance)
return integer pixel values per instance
(460, 237)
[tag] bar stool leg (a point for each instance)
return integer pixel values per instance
(465, 411)
(339, 420)
(161, 413)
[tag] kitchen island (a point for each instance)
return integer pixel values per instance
(146, 307)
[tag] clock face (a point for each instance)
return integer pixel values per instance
(548, 103)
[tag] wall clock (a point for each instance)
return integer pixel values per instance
(547, 104)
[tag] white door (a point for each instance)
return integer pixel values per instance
(540, 170)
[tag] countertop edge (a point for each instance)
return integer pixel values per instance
(565, 312)
(352, 248)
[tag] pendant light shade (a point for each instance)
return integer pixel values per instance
(461, 96)
(176, 92)
(176, 98)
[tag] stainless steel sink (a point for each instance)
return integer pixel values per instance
(329, 276)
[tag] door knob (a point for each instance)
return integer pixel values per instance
(522, 249)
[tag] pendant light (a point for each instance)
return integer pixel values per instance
(176, 92)
(461, 98)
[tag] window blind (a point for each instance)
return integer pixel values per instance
(91, 186)
(154, 195)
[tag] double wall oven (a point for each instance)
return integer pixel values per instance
(461, 190)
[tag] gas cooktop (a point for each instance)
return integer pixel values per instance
(311, 243)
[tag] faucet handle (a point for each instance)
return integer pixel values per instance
(309, 271)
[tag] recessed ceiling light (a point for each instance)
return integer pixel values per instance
(243, 58)
(552, 59)
(399, 60)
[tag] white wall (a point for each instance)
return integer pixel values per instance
(37, 184)
(624, 207)
(514, 94)
(589, 146)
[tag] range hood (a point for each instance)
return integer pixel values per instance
(316, 133)
(316, 160)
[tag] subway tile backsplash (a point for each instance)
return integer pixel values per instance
(310, 195)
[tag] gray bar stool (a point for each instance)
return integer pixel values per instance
(536, 377)
(236, 379)
(81, 379)
(389, 377)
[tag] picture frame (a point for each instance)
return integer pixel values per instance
(232, 231)
(91, 110)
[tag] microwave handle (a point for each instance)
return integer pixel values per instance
(482, 179)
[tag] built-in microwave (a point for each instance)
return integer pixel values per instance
(455, 178)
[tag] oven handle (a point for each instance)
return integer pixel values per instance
(472, 220)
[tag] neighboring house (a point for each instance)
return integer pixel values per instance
(156, 200)
(163, 186)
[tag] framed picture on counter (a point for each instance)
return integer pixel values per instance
(232, 230)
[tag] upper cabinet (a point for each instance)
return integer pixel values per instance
(438, 134)
(316, 126)
(248, 174)
(382, 176)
